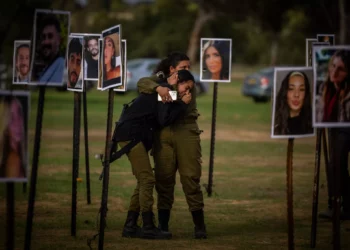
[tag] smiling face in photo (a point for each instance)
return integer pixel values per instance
(22, 61)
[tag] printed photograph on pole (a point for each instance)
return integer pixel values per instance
(21, 62)
(326, 38)
(311, 45)
(91, 56)
(111, 67)
(14, 115)
(75, 66)
(215, 60)
(49, 47)
(331, 86)
(100, 80)
(123, 87)
(308, 51)
(292, 103)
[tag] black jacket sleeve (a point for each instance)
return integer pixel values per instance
(167, 113)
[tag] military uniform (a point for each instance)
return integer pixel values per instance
(177, 147)
(138, 122)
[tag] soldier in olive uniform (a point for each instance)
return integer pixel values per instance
(177, 147)
(137, 125)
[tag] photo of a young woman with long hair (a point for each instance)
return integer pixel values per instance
(292, 110)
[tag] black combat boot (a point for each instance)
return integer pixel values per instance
(163, 219)
(131, 229)
(149, 230)
(328, 213)
(200, 231)
(345, 213)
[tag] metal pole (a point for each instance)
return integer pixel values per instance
(35, 163)
(290, 194)
(212, 141)
(75, 167)
(10, 220)
(316, 187)
(86, 138)
(103, 212)
(329, 174)
(335, 159)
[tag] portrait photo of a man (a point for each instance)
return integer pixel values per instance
(51, 29)
(21, 62)
(91, 56)
(75, 64)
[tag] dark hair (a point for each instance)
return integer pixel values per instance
(282, 108)
(48, 20)
(224, 50)
(75, 46)
(20, 47)
(344, 55)
(173, 59)
(89, 38)
(184, 76)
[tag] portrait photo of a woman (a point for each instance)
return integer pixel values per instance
(13, 137)
(215, 60)
(111, 58)
(332, 99)
(292, 106)
(123, 87)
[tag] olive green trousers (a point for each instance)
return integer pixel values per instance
(177, 147)
(142, 198)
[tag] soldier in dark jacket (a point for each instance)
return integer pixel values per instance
(177, 147)
(136, 125)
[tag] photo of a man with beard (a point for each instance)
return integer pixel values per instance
(21, 59)
(91, 57)
(74, 64)
(51, 29)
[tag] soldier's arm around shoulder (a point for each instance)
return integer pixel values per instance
(147, 85)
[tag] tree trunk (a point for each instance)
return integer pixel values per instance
(201, 19)
(342, 22)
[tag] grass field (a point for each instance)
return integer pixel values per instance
(246, 211)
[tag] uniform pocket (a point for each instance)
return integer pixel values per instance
(196, 131)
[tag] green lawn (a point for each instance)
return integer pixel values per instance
(246, 211)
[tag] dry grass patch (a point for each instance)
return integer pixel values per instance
(232, 134)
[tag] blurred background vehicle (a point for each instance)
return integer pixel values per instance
(259, 85)
(142, 67)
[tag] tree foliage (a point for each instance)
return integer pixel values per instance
(258, 28)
